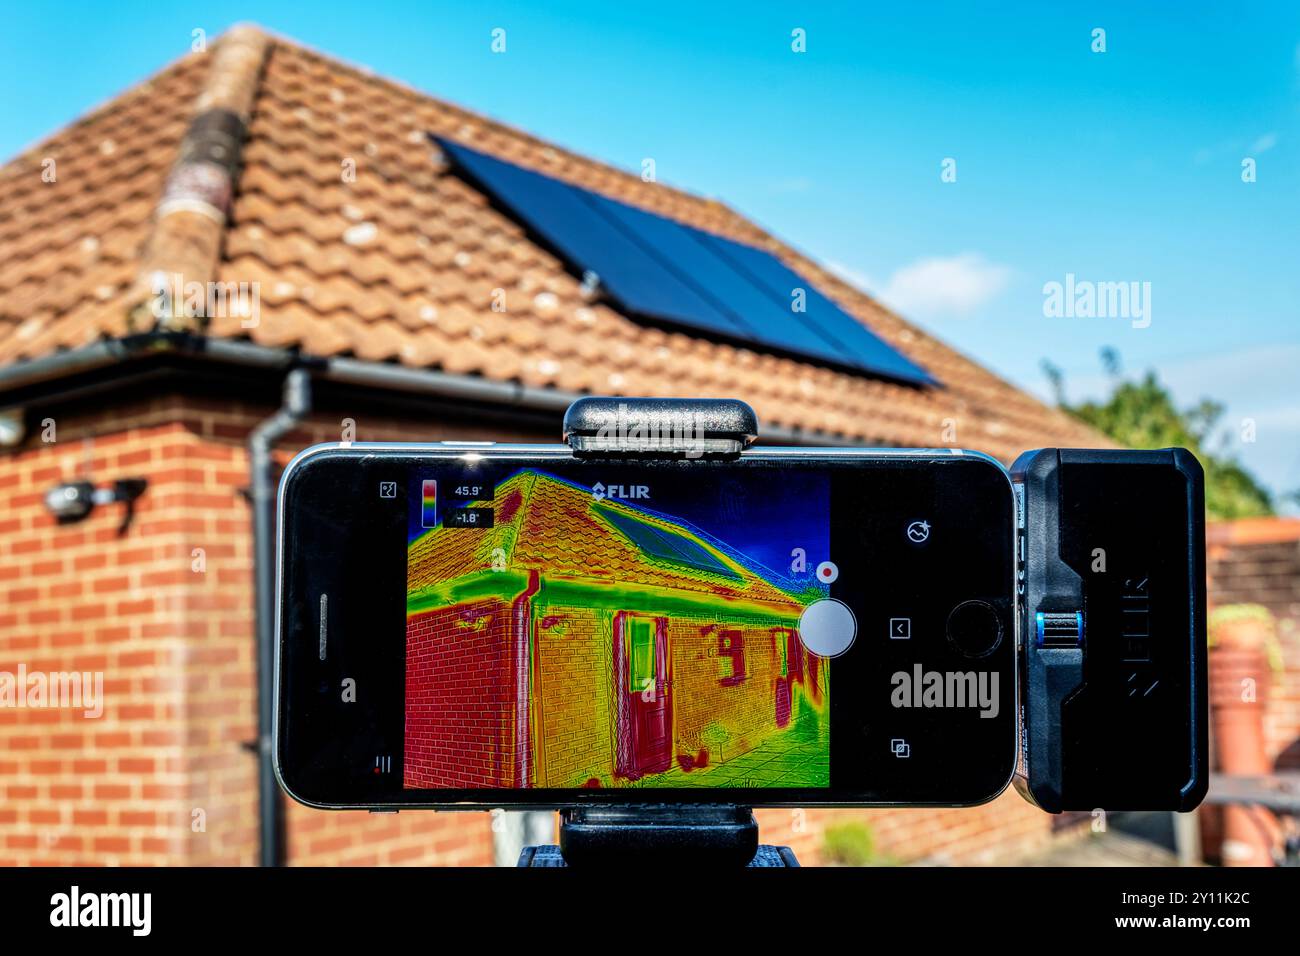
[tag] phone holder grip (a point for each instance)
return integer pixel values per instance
(694, 836)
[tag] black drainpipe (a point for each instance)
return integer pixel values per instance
(296, 403)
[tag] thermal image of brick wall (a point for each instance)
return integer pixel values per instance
(583, 642)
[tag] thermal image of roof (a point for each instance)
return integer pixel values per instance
(547, 524)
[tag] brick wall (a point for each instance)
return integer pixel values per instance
(110, 789)
(715, 719)
(166, 613)
(997, 832)
(1257, 561)
(574, 694)
(460, 698)
(576, 715)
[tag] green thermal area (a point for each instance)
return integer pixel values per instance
(795, 757)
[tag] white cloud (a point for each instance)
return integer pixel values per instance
(1235, 148)
(1264, 143)
(945, 286)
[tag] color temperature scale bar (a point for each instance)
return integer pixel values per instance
(429, 504)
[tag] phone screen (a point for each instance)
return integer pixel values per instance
(514, 626)
(569, 632)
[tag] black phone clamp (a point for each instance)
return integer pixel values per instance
(659, 834)
(659, 427)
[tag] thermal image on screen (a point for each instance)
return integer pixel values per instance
(560, 635)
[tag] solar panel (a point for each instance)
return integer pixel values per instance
(666, 545)
(567, 222)
(868, 351)
(682, 250)
(658, 268)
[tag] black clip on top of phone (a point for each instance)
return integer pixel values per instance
(659, 427)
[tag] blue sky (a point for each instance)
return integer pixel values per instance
(1122, 166)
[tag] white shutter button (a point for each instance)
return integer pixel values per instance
(827, 627)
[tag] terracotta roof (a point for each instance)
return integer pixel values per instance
(400, 265)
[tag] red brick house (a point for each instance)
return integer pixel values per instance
(375, 268)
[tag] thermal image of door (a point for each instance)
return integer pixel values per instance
(645, 704)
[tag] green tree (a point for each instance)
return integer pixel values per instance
(1142, 414)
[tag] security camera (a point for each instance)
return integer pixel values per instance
(71, 501)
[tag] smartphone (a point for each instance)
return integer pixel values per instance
(477, 626)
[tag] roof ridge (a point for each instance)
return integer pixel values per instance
(528, 480)
(189, 222)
